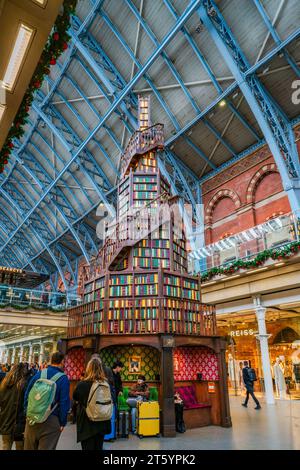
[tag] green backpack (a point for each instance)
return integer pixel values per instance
(41, 397)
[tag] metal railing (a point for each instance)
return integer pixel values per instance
(273, 234)
(29, 298)
(131, 228)
(141, 142)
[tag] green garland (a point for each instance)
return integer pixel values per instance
(56, 45)
(275, 254)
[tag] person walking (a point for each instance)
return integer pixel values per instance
(91, 432)
(12, 416)
(249, 378)
(43, 427)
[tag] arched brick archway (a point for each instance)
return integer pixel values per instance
(256, 179)
(216, 198)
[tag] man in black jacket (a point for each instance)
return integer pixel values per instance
(249, 384)
(117, 368)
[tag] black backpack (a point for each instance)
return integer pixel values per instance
(252, 374)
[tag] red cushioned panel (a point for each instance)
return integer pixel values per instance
(191, 360)
(74, 363)
(194, 407)
(188, 395)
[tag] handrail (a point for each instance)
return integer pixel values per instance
(121, 239)
(23, 298)
(141, 142)
(274, 233)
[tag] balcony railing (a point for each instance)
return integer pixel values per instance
(36, 299)
(273, 234)
(141, 142)
(132, 227)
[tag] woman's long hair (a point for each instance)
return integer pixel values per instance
(94, 371)
(16, 376)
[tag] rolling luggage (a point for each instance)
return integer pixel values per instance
(123, 424)
(148, 418)
(112, 436)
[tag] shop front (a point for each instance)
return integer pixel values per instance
(284, 352)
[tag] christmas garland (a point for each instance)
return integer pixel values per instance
(32, 307)
(261, 258)
(56, 45)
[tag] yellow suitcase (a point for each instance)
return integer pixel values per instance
(148, 418)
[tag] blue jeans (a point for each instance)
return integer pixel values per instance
(132, 403)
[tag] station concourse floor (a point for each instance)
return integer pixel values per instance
(274, 427)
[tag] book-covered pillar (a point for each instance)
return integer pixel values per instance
(224, 399)
(167, 378)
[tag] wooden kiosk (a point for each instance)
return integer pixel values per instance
(140, 304)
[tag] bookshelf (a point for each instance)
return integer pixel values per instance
(144, 189)
(146, 285)
(88, 292)
(146, 315)
(180, 255)
(99, 288)
(152, 253)
(191, 289)
(172, 286)
(121, 285)
(146, 163)
(172, 315)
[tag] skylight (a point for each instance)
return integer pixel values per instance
(22, 42)
(2, 110)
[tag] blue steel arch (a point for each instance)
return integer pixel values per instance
(120, 98)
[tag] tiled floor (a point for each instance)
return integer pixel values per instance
(273, 427)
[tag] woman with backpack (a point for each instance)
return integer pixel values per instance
(95, 407)
(12, 414)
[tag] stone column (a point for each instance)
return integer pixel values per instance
(168, 408)
(260, 312)
(30, 356)
(21, 353)
(54, 346)
(13, 356)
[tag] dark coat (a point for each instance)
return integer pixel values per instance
(118, 382)
(85, 427)
(12, 415)
(248, 383)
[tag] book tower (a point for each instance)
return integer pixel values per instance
(139, 282)
(140, 304)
